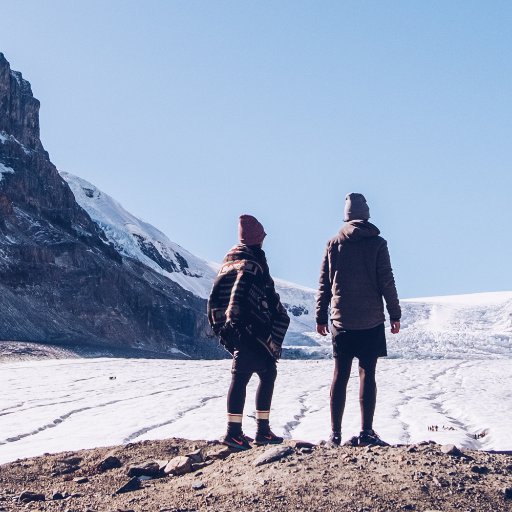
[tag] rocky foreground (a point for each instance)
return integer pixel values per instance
(178, 475)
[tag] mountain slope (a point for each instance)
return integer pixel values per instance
(139, 240)
(61, 280)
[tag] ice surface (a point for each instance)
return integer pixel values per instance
(50, 406)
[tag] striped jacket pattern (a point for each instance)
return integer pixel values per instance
(244, 302)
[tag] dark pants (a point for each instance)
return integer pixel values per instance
(246, 362)
(367, 345)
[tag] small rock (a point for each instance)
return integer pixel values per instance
(110, 462)
(200, 465)
(80, 480)
(196, 457)
(57, 496)
(161, 464)
(272, 455)
(71, 461)
(28, 496)
(480, 470)
(301, 444)
(408, 507)
(507, 492)
(440, 482)
(219, 453)
(197, 486)
(152, 470)
(178, 466)
(131, 485)
(450, 449)
(65, 470)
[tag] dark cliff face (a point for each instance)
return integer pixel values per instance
(60, 280)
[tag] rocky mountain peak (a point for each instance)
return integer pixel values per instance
(61, 280)
(19, 110)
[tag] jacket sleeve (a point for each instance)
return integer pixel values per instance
(386, 281)
(324, 294)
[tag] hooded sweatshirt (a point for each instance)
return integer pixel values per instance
(355, 276)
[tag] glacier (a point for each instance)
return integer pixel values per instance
(51, 406)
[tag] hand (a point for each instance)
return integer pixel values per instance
(395, 327)
(322, 329)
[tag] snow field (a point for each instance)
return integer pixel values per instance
(51, 406)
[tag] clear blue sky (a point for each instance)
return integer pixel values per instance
(193, 112)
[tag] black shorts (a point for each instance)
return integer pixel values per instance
(363, 344)
(253, 359)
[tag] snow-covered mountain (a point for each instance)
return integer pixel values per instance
(461, 326)
(134, 238)
(61, 280)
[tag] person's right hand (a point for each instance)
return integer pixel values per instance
(322, 329)
(395, 327)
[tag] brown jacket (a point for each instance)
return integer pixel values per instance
(356, 274)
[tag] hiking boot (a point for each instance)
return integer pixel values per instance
(237, 442)
(267, 438)
(353, 441)
(334, 440)
(370, 438)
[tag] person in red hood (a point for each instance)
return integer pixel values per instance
(246, 313)
(355, 276)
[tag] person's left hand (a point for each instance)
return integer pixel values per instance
(322, 329)
(395, 327)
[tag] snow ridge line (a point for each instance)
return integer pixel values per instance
(202, 402)
(291, 425)
(56, 422)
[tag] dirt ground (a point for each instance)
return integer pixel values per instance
(319, 478)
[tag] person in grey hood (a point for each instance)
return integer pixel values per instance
(355, 276)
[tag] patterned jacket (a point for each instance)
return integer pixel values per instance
(244, 307)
